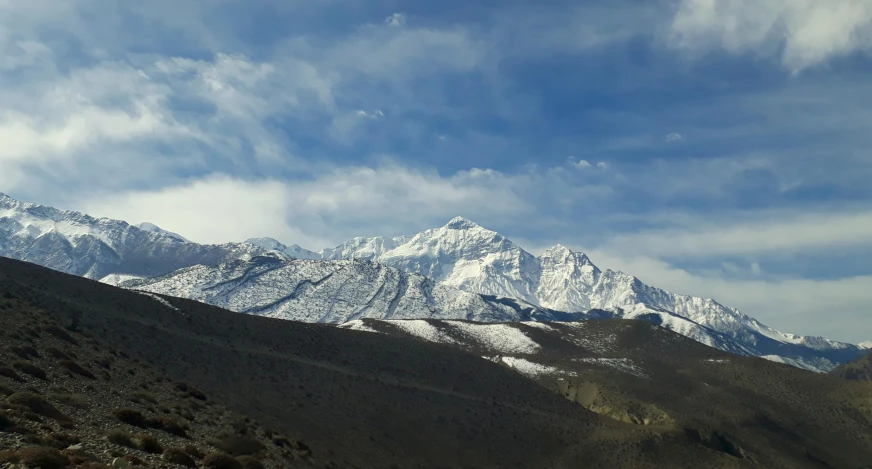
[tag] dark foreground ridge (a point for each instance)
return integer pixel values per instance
(97, 368)
(859, 369)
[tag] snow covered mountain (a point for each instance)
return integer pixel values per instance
(468, 267)
(866, 345)
(334, 292)
(469, 257)
(78, 244)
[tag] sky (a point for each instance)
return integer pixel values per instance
(719, 148)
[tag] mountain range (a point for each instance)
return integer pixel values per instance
(458, 271)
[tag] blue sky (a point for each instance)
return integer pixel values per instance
(718, 149)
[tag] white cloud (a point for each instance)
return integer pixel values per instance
(397, 19)
(673, 137)
(332, 207)
(580, 164)
(377, 114)
(211, 210)
(88, 111)
(778, 233)
(756, 269)
(804, 32)
(602, 165)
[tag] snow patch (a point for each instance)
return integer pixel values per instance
(159, 300)
(500, 338)
(118, 279)
(528, 368)
(358, 325)
(625, 365)
(423, 330)
(538, 325)
(791, 362)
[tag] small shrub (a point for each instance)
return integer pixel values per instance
(250, 462)
(5, 391)
(196, 394)
(166, 424)
(60, 334)
(193, 451)
(236, 445)
(24, 352)
(72, 400)
(10, 373)
(62, 440)
(76, 368)
(221, 461)
(57, 353)
(130, 416)
(146, 396)
(42, 457)
(8, 457)
(134, 459)
(120, 437)
(37, 404)
(30, 368)
(104, 362)
(178, 456)
(148, 443)
(5, 422)
(79, 458)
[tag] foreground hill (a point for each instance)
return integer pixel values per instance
(860, 369)
(605, 393)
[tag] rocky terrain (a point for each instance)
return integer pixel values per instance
(375, 393)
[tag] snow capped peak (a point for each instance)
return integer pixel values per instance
(267, 243)
(152, 228)
(866, 345)
(558, 249)
(294, 251)
(460, 223)
(562, 254)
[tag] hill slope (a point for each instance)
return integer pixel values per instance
(614, 394)
(859, 369)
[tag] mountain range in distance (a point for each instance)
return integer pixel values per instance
(458, 271)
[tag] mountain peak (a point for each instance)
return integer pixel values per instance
(266, 243)
(558, 249)
(7, 200)
(152, 228)
(460, 223)
(562, 253)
